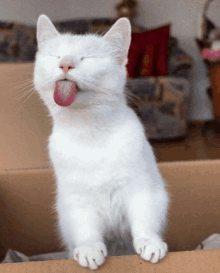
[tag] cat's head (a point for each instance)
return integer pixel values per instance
(90, 69)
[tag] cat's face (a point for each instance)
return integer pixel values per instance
(94, 66)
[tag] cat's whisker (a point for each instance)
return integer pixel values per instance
(25, 84)
(25, 101)
(20, 89)
(20, 92)
(24, 90)
(20, 82)
(131, 96)
(11, 82)
(90, 85)
(23, 95)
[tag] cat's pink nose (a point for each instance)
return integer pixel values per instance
(66, 64)
(66, 67)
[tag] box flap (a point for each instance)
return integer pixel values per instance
(194, 209)
(24, 120)
(194, 191)
(27, 221)
(200, 261)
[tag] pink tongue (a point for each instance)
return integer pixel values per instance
(64, 93)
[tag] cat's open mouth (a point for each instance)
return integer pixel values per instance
(65, 92)
(67, 80)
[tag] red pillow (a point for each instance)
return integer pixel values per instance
(147, 61)
(152, 45)
(134, 57)
(143, 49)
(160, 38)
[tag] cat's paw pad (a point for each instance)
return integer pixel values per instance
(151, 250)
(90, 256)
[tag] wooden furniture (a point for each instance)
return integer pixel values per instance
(214, 95)
(213, 68)
(215, 79)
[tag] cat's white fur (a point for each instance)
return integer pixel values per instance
(108, 182)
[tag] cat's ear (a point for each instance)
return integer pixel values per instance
(119, 36)
(45, 30)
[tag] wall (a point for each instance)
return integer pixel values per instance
(27, 11)
(184, 16)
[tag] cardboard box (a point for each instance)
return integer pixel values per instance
(27, 194)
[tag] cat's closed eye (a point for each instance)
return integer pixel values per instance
(89, 57)
(55, 56)
(82, 58)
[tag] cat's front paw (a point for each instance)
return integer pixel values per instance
(90, 256)
(151, 250)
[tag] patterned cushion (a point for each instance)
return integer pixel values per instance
(161, 103)
(180, 64)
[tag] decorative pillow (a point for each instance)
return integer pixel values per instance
(148, 53)
(134, 57)
(160, 36)
(148, 61)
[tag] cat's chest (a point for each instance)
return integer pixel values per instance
(67, 148)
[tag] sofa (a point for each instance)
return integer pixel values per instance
(161, 102)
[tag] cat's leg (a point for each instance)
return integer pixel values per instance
(88, 229)
(146, 214)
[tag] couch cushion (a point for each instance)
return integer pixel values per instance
(161, 103)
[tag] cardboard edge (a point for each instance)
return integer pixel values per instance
(202, 261)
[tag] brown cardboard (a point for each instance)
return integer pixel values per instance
(181, 262)
(23, 120)
(27, 193)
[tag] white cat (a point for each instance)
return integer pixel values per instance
(108, 182)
